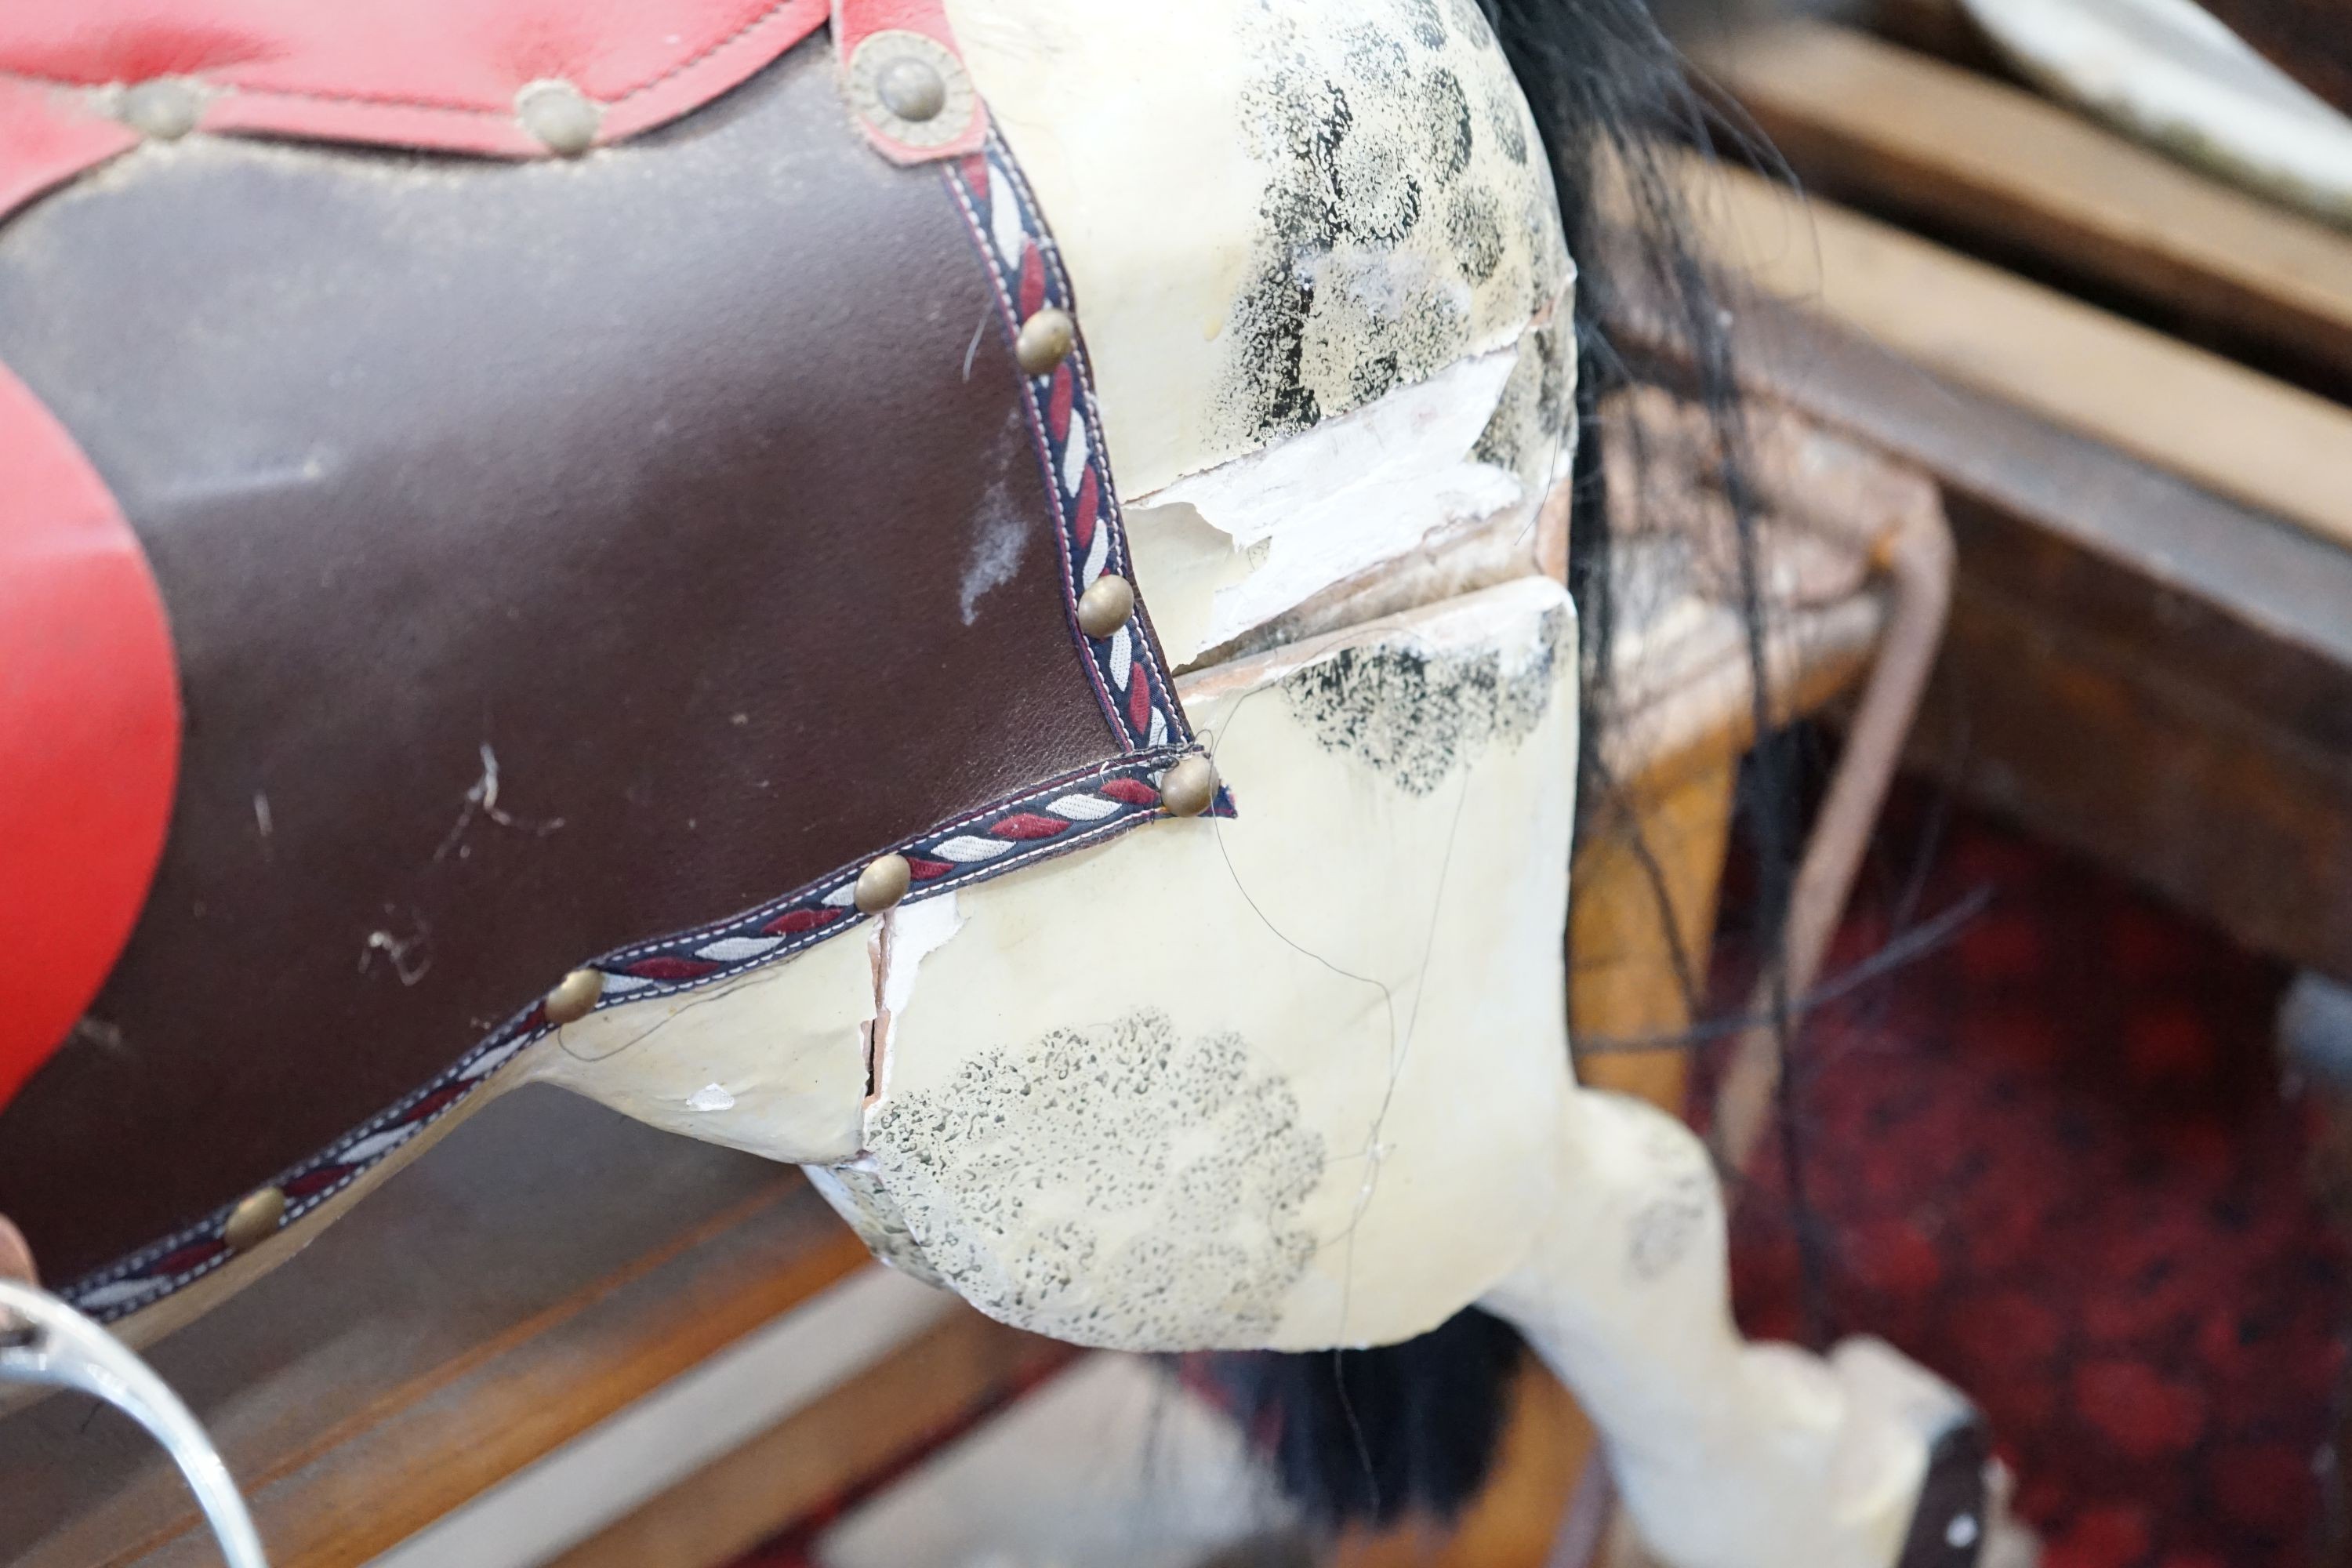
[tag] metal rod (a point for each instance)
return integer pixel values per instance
(57, 1347)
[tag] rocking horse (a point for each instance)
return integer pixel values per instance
(968, 596)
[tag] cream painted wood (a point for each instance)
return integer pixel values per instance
(1056, 1137)
(1214, 1085)
(773, 1063)
(1192, 166)
(1729, 1455)
(1161, 139)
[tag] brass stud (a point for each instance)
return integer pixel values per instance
(1045, 341)
(1104, 607)
(911, 88)
(165, 108)
(884, 883)
(1188, 788)
(559, 115)
(255, 1219)
(574, 996)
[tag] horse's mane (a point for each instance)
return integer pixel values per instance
(1377, 1434)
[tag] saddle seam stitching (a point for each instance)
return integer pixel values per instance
(996, 161)
(1008, 313)
(1050, 251)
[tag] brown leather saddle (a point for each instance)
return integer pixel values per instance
(570, 566)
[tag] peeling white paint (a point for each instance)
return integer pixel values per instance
(1184, 564)
(902, 939)
(711, 1097)
(1226, 550)
(918, 929)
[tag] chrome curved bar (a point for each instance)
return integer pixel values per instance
(45, 1341)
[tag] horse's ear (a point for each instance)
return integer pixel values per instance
(90, 733)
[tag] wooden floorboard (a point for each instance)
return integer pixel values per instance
(863, 1427)
(1895, 129)
(2245, 437)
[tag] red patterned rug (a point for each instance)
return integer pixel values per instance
(2053, 1160)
